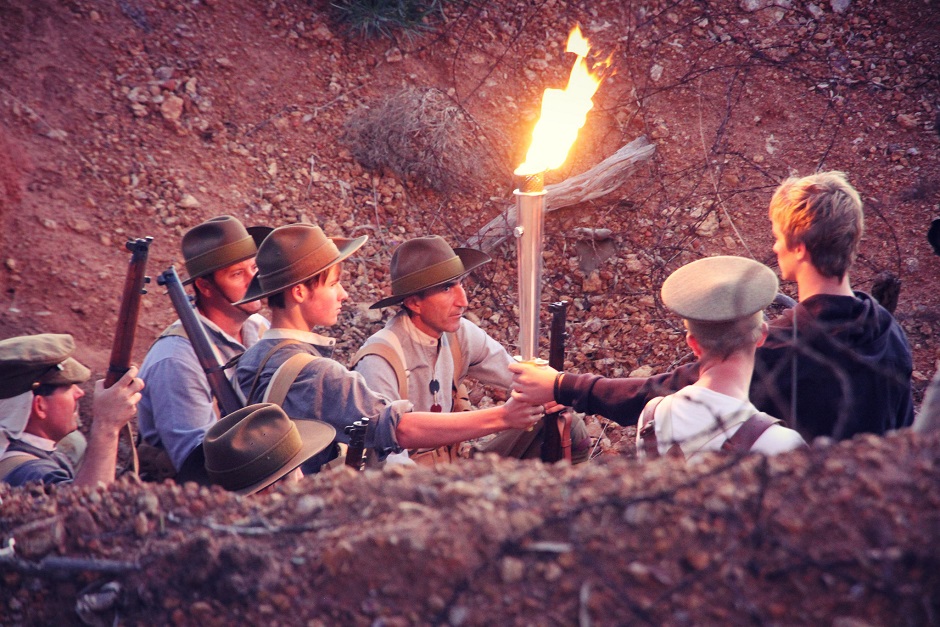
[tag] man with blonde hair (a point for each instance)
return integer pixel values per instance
(837, 364)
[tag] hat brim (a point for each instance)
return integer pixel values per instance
(346, 248)
(471, 259)
(316, 436)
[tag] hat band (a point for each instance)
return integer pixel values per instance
(307, 266)
(220, 257)
(426, 277)
(262, 466)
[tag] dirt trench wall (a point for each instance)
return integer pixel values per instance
(847, 532)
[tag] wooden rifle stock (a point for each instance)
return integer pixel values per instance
(220, 385)
(357, 443)
(126, 330)
(553, 446)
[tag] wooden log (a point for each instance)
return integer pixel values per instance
(599, 181)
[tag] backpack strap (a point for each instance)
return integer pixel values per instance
(254, 382)
(457, 356)
(390, 352)
(13, 460)
(648, 430)
(284, 377)
(748, 433)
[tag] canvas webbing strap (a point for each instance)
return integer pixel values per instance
(13, 460)
(284, 377)
(254, 382)
(388, 347)
(394, 359)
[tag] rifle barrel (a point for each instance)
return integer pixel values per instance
(126, 331)
(222, 389)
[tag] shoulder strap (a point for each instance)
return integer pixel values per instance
(284, 377)
(13, 460)
(387, 346)
(254, 382)
(457, 356)
(748, 433)
(648, 430)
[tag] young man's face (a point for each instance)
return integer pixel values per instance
(61, 410)
(324, 300)
(439, 309)
(786, 256)
(231, 283)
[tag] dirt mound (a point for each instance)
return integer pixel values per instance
(830, 535)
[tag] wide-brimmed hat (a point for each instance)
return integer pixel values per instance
(218, 243)
(253, 447)
(426, 262)
(29, 361)
(719, 289)
(292, 254)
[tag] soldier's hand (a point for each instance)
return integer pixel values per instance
(115, 406)
(521, 415)
(534, 384)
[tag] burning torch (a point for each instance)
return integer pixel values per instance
(563, 114)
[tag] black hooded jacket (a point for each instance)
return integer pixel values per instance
(852, 366)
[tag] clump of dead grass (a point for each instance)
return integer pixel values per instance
(419, 134)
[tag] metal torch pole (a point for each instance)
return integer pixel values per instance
(530, 209)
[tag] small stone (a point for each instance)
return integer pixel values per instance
(188, 201)
(141, 525)
(840, 6)
(511, 570)
(172, 108)
(394, 55)
(592, 284)
(322, 32)
(80, 225)
(907, 121)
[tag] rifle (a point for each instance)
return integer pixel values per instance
(126, 331)
(221, 387)
(357, 443)
(556, 442)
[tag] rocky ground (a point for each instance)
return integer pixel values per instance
(138, 118)
(841, 535)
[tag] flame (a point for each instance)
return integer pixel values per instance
(564, 112)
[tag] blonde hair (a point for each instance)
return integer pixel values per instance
(719, 340)
(824, 213)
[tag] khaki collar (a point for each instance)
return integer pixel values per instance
(308, 337)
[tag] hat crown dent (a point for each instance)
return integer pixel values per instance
(720, 289)
(255, 446)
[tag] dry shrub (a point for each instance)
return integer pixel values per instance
(417, 133)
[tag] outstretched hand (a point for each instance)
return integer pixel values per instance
(533, 384)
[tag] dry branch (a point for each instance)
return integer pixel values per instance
(599, 181)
